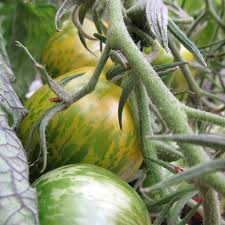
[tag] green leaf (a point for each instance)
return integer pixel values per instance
(115, 71)
(18, 198)
(33, 25)
(181, 36)
(128, 87)
(65, 6)
(159, 68)
(7, 10)
(167, 152)
(163, 164)
(118, 58)
(157, 18)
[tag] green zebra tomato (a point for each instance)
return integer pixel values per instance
(64, 51)
(86, 194)
(88, 131)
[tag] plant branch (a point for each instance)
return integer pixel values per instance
(200, 115)
(90, 86)
(211, 206)
(149, 149)
(43, 124)
(56, 88)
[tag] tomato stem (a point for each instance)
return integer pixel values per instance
(148, 147)
(200, 115)
(210, 206)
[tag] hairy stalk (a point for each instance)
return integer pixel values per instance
(133, 103)
(43, 124)
(169, 107)
(148, 147)
(87, 89)
(200, 115)
(158, 115)
(163, 150)
(210, 206)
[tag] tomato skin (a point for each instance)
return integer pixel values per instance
(64, 51)
(88, 131)
(86, 194)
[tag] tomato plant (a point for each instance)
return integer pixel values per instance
(86, 194)
(73, 119)
(88, 131)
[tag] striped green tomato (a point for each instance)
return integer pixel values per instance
(88, 131)
(65, 52)
(88, 195)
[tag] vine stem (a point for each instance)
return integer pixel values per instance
(90, 86)
(197, 114)
(211, 207)
(169, 107)
(47, 117)
(148, 147)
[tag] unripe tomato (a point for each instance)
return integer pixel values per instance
(65, 52)
(179, 81)
(88, 131)
(88, 195)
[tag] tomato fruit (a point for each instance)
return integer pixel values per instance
(88, 131)
(86, 194)
(179, 81)
(65, 52)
